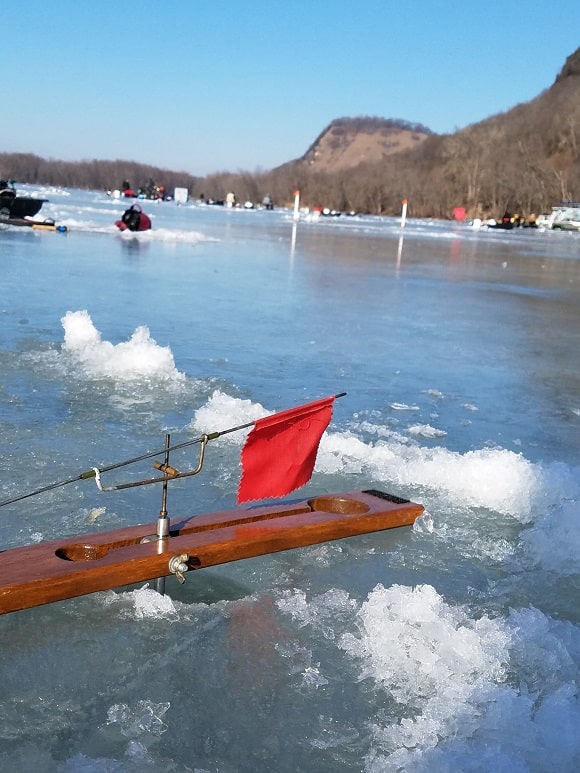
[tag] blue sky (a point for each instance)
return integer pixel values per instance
(201, 86)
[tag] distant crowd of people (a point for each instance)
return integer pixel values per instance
(134, 219)
(231, 201)
(151, 190)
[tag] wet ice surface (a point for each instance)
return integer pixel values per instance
(450, 646)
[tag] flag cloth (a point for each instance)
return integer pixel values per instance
(280, 451)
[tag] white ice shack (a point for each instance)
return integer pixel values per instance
(180, 195)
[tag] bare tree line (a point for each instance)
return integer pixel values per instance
(90, 175)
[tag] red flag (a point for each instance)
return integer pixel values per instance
(280, 451)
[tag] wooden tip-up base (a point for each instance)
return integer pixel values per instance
(61, 569)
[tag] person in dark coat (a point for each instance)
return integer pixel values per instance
(134, 219)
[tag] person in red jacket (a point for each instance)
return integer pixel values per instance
(134, 219)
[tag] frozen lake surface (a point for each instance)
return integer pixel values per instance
(453, 645)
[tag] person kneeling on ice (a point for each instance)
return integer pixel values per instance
(134, 219)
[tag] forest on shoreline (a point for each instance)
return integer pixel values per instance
(524, 160)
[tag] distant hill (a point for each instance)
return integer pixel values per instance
(348, 142)
(525, 160)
